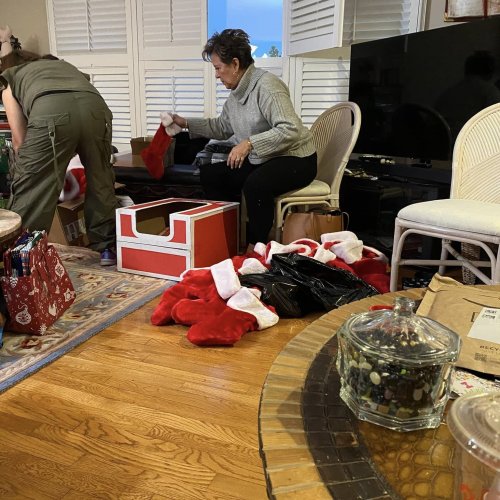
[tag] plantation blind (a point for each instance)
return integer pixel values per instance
(171, 29)
(322, 83)
(114, 86)
(89, 26)
(366, 20)
(177, 87)
(312, 25)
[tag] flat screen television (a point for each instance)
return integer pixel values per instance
(416, 91)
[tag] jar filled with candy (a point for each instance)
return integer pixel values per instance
(395, 367)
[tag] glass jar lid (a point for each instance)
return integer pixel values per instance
(474, 422)
(402, 335)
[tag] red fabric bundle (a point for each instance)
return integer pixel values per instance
(153, 155)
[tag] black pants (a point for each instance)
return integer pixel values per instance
(260, 185)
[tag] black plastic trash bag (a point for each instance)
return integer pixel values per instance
(289, 298)
(296, 285)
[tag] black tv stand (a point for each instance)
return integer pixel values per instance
(373, 193)
(433, 172)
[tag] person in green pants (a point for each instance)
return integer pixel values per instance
(54, 112)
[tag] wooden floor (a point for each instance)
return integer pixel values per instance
(137, 412)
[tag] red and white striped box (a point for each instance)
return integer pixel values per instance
(164, 238)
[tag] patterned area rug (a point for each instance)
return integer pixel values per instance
(103, 296)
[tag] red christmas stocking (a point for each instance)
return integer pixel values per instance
(194, 285)
(162, 315)
(224, 329)
(189, 312)
(154, 153)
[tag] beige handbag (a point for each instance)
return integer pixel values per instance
(313, 224)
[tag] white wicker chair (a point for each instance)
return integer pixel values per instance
(471, 215)
(334, 132)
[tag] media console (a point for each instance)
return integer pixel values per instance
(373, 193)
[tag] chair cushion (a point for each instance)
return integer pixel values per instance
(462, 215)
(316, 188)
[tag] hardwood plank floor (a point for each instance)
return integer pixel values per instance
(138, 412)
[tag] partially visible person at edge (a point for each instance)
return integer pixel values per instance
(274, 151)
(54, 112)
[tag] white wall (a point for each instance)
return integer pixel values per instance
(28, 20)
(435, 15)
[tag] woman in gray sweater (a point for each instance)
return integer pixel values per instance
(274, 151)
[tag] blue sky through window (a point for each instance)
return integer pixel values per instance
(261, 19)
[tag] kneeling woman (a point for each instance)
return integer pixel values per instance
(274, 151)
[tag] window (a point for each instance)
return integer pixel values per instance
(89, 26)
(144, 56)
(261, 19)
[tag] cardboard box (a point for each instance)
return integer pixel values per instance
(164, 238)
(68, 225)
(473, 313)
(140, 143)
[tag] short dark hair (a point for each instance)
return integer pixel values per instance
(17, 57)
(229, 44)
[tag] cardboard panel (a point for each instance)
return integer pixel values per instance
(68, 225)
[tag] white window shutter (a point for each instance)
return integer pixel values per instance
(366, 20)
(169, 28)
(320, 83)
(89, 26)
(174, 87)
(312, 25)
(114, 86)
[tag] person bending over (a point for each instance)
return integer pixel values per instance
(54, 112)
(274, 151)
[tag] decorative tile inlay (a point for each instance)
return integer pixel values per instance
(343, 462)
(313, 447)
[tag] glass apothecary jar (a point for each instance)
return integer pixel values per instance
(395, 367)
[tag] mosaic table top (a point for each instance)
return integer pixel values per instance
(313, 447)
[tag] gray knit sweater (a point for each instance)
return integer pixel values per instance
(259, 109)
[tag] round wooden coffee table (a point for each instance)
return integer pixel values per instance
(313, 447)
(10, 225)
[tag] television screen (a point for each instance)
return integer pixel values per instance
(416, 91)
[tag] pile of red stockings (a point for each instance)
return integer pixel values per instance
(219, 311)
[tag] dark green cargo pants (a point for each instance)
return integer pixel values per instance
(62, 125)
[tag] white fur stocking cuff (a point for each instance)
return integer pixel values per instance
(244, 300)
(167, 121)
(225, 278)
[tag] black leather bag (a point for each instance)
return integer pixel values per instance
(214, 152)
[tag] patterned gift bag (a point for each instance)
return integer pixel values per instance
(38, 298)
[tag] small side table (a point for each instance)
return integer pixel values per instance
(10, 225)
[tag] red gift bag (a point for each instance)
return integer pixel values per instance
(38, 298)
